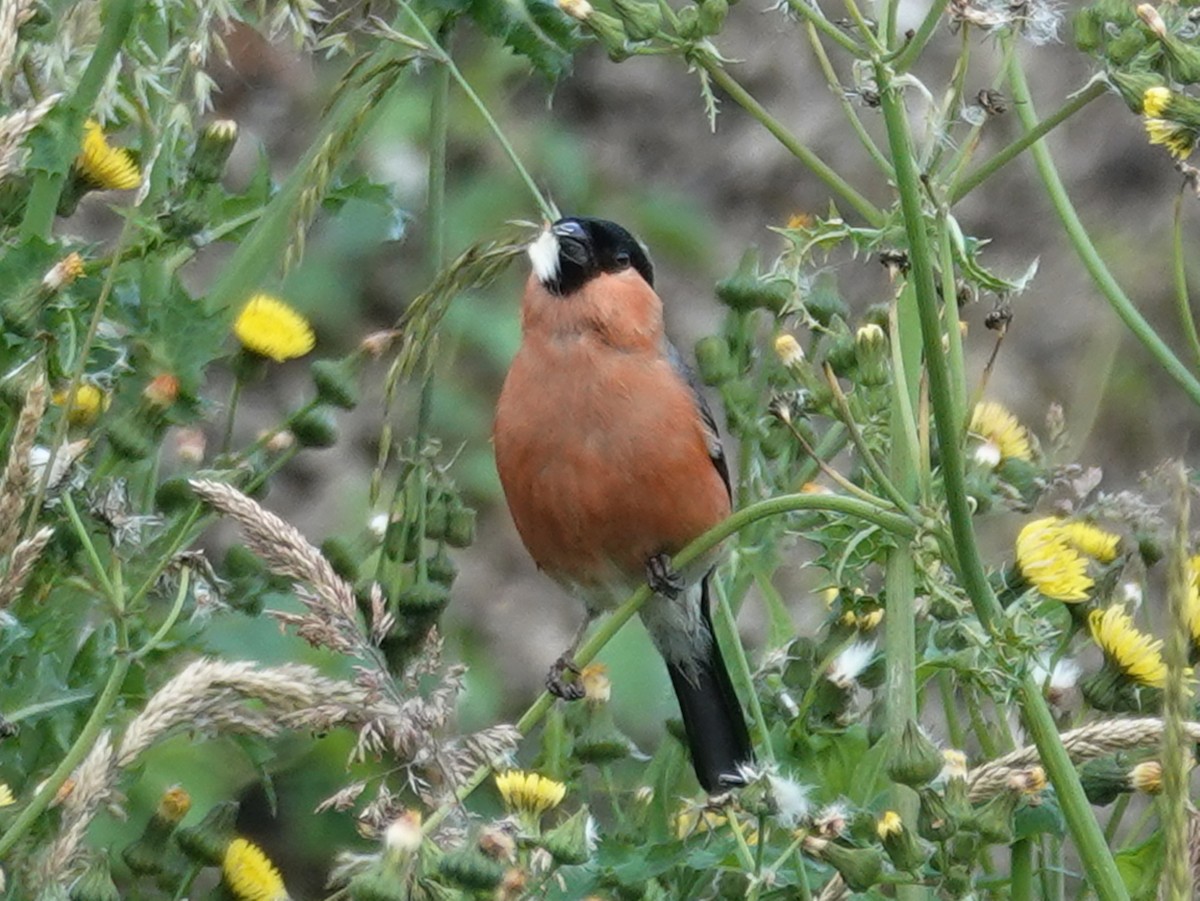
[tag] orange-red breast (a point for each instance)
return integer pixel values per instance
(611, 464)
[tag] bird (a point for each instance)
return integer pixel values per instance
(611, 463)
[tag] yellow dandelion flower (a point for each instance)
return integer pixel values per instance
(1090, 541)
(1129, 650)
(270, 328)
(889, 824)
(1053, 555)
(1193, 600)
(249, 875)
(529, 793)
(789, 351)
(1003, 435)
(799, 220)
(1178, 138)
(1154, 100)
(7, 799)
(1050, 564)
(86, 405)
(105, 167)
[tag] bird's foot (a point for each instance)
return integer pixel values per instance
(559, 685)
(662, 578)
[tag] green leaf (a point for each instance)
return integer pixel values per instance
(535, 29)
(1141, 867)
(1045, 818)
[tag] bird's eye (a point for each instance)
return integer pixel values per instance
(623, 259)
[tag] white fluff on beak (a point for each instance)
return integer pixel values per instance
(543, 254)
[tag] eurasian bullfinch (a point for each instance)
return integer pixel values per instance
(611, 464)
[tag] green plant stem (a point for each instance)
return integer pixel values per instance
(950, 709)
(176, 608)
(818, 21)
(964, 186)
(727, 626)
(1096, 858)
(819, 167)
(1082, 242)
(954, 359)
(79, 748)
(912, 50)
(1176, 765)
(1021, 870)
(864, 28)
(1183, 302)
(547, 208)
(1114, 819)
(765, 509)
(848, 109)
(117, 16)
(89, 549)
(235, 394)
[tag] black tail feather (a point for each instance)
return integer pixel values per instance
(712, 714)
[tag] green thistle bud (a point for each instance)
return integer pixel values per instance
(871, 355)
(1183, 60)
(460, 527)
(337, 381)
(315, 428)
(437, 517)
(130, 440)
(1088, 27)
(712, 17)
(956, 881)
(964, 846)
(935, 821)
(146, 856)
(401, 542)
(839, 351)
(902, 846)
(567, 842)
(95, 884)
(1126, 45)
(714, 361)
(642, 20)
(1132, 86)
(915, 760)
(214, 144)
(823, 303)
(994, 820)
(861, 868)
(687, 24)
(1104, 779)
(746, 289)
(600, 742)
(471, 870)
(423, 597)
(173, 495)
(378, 883)
(206, 842)
(342, 556)
(441, 568)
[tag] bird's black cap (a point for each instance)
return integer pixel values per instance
(576, 249)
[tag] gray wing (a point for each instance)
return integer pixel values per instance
(715, 452)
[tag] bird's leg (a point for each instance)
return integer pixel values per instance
(557, 681)
(662, 578)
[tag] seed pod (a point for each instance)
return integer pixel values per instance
(712, 16)
(915, 761)
(642, 20)
(315, 428)
(422, 598)
(214, 144)
(441, 568)
(714, 361)
(337, 381)
(342, 556)
(935, 822)
(460, 527)
(130, 439)
(206, 842)
(95, 884)
(471, 870)
(567, 842)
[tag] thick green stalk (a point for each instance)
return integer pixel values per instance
(819, 167)
(1094, 853)
(994, 164)
(1176, 765)
(1183, 301)
(1021, 870)
(774, 506)
(1082, 242)
(79, 749)
(730, 640)
(117, 17)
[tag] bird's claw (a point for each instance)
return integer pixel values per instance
(559, 685)
(662, 578)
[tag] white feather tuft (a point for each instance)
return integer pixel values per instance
(543, 254)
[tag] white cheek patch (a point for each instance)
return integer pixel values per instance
(543, 254)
